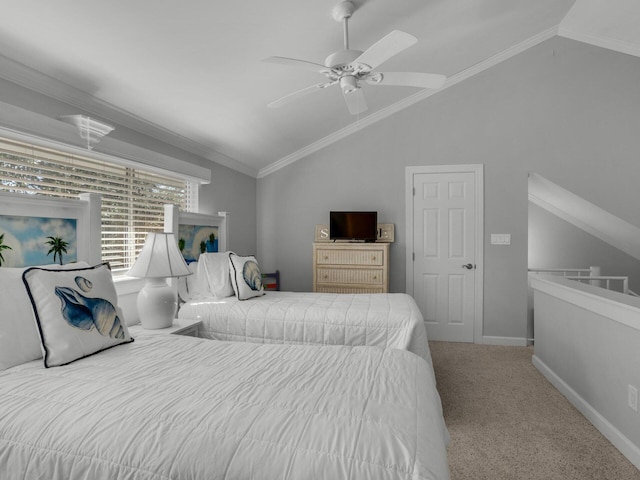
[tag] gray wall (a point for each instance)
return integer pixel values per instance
(592, 357)
(566, 110)
(553, 242)
(233, 192)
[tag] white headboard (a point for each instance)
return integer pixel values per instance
(173, 218)
(85, 210)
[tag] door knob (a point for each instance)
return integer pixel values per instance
(469, 266)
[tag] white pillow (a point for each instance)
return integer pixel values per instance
(76, 312)
(214, 269)
(19, 339)
(246, 276)
(189, 286)
(193, 282)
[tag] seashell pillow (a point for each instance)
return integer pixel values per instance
(19, 339)
(246, 277)
(76, 312)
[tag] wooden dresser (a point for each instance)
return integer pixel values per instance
(351, 267)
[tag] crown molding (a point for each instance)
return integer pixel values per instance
(601, 41)
(39, 82)
(407, 102)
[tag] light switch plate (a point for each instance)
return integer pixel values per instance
(500, 239)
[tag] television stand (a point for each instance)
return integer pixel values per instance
(351, 267)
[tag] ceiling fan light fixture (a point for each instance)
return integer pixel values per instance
(349, 84)
(349, 67)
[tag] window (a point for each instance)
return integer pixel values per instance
(132, 199)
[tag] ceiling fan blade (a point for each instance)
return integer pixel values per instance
(407, 79)
(293, 62)
(355, 101)
(385, 48)
(298, 94)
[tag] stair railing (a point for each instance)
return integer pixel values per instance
(606, 279)
(589, 275)
(587, 272)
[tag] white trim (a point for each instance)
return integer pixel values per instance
(600, 41)
(128, 285)
(51, 87)
(620, 441)
(617, 306)
(39, 82)
(505, 341)
(478, 171)
(407, 102)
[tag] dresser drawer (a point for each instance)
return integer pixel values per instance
(351, 256)
(364, 276)
(348, 289)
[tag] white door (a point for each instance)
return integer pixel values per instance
(445, 256)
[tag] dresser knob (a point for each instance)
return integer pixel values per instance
(326, 258)
(326, 276)
(374, 258)
(375, 277)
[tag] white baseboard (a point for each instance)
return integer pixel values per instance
(505, 341)
(619, 440)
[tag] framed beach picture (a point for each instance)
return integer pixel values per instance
(196, 239)
(27, 241)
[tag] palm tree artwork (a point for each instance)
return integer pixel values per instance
(58, 247)
(3, 247)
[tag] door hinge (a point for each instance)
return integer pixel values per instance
(414, 191)
(413, 256)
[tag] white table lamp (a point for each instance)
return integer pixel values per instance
(159, 259)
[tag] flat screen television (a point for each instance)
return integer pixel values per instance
(362, 226)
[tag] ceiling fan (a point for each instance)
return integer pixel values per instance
(349, 68)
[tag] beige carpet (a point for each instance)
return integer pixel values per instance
(508, 422)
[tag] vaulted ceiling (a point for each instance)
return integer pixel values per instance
(191, 72)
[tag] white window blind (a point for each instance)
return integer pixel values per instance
(132, 199)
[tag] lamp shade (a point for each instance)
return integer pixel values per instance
(160, 258)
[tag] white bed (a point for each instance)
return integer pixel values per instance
(385, 320)
(184, 408)
(101, 406)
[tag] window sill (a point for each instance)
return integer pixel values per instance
(126, 285)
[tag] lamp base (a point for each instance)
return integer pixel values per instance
(157, 304)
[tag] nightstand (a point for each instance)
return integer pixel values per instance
(189, 327)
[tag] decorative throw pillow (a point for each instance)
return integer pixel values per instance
(246, 277)
(214, 269)
(76, 312)
(189, 286)
(19, 339)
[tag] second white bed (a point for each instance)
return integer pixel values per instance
(385, 320)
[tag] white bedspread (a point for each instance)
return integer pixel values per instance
(386, 319)
(171, 407)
